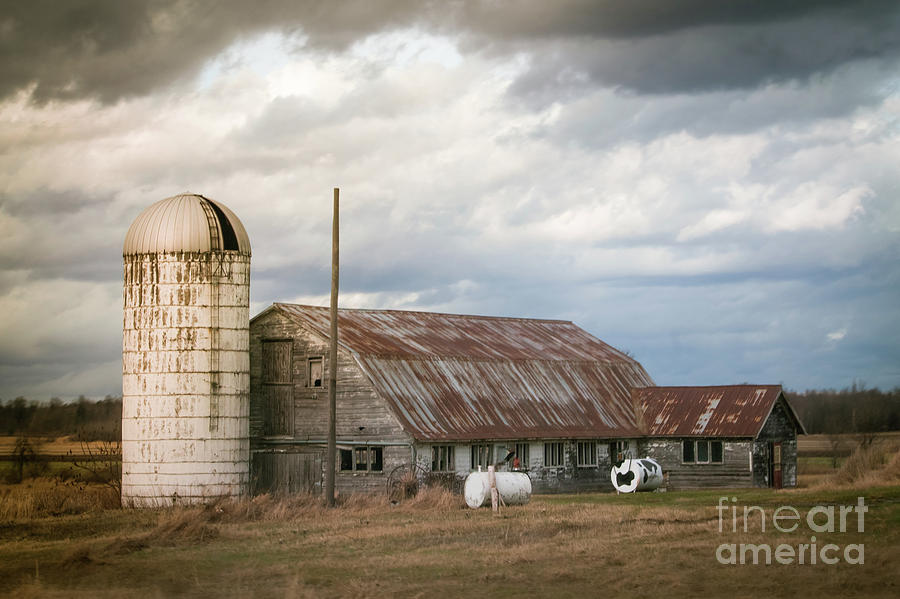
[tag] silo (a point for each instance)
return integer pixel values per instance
(185, 354)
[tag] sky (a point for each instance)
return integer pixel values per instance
(711, 186)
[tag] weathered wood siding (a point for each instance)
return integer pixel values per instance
(566, 478)
(279, 472)
(362, 417)
(734, 471)
(779, 428)
(394, 456)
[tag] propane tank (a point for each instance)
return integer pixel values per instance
(632, 475)
(514, 488)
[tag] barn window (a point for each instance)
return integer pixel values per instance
(314, 371)
(617, 451)
(587, 453)
(554, 455)
(442, 458)
(701, 452)
(277, 385)
(362, 459)
(482, 455)
(346, 460)
(522, 451)
(687, 452)
(376, 463)
(715, 448)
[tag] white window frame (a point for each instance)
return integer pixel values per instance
(443, 455)
(696, 443)
(554, 454)
(523, 452)
(370, 452)
(481, 454)
(586, 454)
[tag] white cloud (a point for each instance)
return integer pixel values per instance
(458, 196)
(837, 335)
(815, 206)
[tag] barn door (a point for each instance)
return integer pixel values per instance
(278, 388)
(287, 473)
(776, 465)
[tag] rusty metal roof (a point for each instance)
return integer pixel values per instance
(721, 411)
(454, 377)
(187, 222)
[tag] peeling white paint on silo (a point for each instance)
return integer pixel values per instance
(185, 354)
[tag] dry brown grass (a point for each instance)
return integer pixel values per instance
(41, 497)
(52, 446)
(877, 464)
(565, 546)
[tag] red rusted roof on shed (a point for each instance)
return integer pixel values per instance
(722, 411)
(453, 377)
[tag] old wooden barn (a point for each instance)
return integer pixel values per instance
(447, 394)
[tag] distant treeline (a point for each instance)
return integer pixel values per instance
(83, 419)
(852, 410)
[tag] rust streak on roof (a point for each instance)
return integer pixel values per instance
(453, 377)
(720, 411)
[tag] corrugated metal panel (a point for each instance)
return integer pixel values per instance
(181, 224)
(399, 333)
(724, 411)
(469, 377)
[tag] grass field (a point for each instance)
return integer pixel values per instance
(52, 446)
(66, 540)
(561, 546)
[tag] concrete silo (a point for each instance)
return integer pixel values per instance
(185, 354)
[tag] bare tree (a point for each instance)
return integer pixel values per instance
(103, 462)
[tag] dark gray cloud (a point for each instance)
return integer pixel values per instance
(712, 189)
(638, 18)
(109, 50)
(60, 235)
(735, 54)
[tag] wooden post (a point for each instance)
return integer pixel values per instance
(332, 359)
(495, 495)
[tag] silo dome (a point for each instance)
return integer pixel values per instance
(187, 222)
(185, 354)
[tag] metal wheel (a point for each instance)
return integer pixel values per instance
(404, 482)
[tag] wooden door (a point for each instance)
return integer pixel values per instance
(287, 473)
(278, 388)
(776, 465)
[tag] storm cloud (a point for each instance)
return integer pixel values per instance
(711, 186)
(111, 50)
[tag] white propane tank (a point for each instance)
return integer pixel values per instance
(634, 475)
(514, 488)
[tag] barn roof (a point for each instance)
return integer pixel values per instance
(721, 411)
(453, 377)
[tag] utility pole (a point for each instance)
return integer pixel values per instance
(332, 359)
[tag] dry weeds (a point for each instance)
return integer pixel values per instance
(432, 545)
(41, 497)
(877, 464)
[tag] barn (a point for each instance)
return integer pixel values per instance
(727, 436)
(448, 394)
(217, 405)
